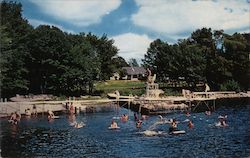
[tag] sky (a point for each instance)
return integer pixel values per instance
(134, 24)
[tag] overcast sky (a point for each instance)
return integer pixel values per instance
(134, 24)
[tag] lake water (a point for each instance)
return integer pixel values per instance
(36, 137)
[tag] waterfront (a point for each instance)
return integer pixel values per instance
(36, 137)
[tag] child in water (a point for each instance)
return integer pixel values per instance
(173, 126)
(190, 124)
(138, 124)
(222, 121)
(114, 124)
(50, 114)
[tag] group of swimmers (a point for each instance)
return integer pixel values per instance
(124, 118)
(15, 118)
(172, 122)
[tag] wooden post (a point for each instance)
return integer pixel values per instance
(214, 104)
(139, 108)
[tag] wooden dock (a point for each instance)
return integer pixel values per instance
(140, 104)
(161, 105)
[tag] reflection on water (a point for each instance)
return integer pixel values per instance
(36, 137)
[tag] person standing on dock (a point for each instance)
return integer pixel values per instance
(207, 88)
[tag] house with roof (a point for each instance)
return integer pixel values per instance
(133, 73)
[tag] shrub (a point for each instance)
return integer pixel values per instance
(230, 85)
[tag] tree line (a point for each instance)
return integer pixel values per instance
(47, 60)
(213, 57)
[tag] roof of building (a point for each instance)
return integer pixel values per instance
(134, 70)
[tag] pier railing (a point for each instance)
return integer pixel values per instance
(219, 94)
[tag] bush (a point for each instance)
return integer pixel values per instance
(230, 85)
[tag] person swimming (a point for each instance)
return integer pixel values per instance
(188, 113)
(190, 124)
(222, 121)
(173, 126)
(138, 124)
(50, 114)
(14, 118)
(79, 125)
(208, 112)
(27, 112)
(124, 118)
(113, 125)
(144, 117)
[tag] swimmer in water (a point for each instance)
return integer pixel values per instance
(208, 113)
(222, 120)
(138, 124)
(144, 117)
(124, 118)
(173, 126)
(113, 124)
(50, 114)
(190, 124)
(187, 114)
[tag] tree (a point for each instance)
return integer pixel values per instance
(118, 63)
(13, 27)
(149, 60)
(237, 52)
(192, 62)
(133, 62)
(48, 58)
(106, 51)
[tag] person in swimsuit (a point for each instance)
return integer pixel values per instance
(173, 126)
(138, 124)
(113, 124)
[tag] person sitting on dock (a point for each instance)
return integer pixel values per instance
(50, 114)
(113, 124)
(138, 124)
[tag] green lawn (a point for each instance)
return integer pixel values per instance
(125, 87)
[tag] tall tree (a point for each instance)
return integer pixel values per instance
(237, 51)
(49, 49)
(106, 52)
(15, 27)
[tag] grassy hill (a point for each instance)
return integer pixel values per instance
(125, 87)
